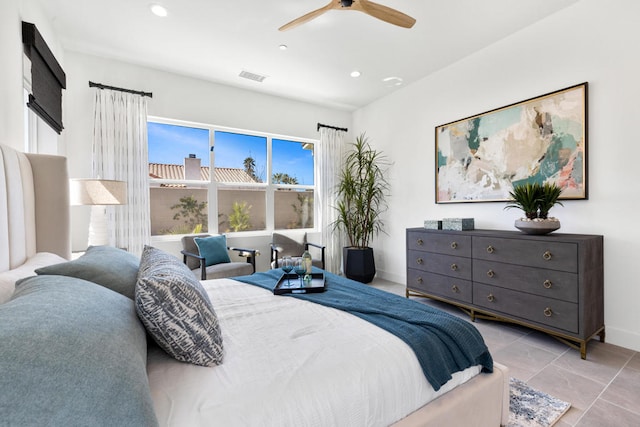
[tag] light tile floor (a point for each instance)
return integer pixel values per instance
(604, 389)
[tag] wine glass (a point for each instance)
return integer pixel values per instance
(300, 269)
(287, 266)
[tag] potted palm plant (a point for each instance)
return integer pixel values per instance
(362, 191)
(535, 200)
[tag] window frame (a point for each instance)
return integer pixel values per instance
(213, 186)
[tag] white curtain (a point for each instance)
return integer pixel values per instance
(328, 164)
(120, 153)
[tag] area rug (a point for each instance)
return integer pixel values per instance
(529, 407)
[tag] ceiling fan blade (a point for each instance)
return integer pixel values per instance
(384, 13)
(308, 17)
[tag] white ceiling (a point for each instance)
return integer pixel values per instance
(217, 39)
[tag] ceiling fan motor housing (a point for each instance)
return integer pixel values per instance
(346, 3)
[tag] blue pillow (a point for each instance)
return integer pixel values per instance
(113, 268)
(72, 353)
(213, 249)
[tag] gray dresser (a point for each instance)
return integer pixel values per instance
(552, 283)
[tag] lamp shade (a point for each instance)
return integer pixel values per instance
(98, 192)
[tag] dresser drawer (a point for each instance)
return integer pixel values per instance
(547, 283)
(443, 286)
(450, 244)
(545, 311)
(562, 256)
(448, 265)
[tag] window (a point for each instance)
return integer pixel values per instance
(292, 176)
(179, 178)
(240, 169)
(261, 182)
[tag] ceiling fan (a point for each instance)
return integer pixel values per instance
(379, 11)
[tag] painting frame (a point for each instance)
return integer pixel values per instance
(541, 139)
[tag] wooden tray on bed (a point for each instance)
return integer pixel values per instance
(294, 285)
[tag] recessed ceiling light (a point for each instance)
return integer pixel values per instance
(355, 73)
(283, 47)
(159, 10)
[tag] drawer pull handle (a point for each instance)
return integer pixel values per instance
(454, 267)
(454, 245)
(419, 279)
(455, 289)
(546, 255)
(490, 273)
(547, 284)
(491, 298)
(419, 261)
(490, 249)
(419, 242)
(548, 312)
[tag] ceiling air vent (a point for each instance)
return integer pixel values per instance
(252, 76)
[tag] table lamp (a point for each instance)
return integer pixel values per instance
(98, 193)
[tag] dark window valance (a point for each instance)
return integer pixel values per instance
(47, 78)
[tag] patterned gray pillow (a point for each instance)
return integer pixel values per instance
(176, 310)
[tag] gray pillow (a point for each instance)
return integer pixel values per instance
(72, 353)
(176, 310)
(110, 267)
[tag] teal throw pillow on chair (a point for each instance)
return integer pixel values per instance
(213, 249)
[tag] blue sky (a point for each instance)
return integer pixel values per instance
(171, 144)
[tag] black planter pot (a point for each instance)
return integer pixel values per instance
(358, 264)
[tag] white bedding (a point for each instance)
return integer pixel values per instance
(8, 278)
(290, 362)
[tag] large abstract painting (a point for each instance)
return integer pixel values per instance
(543, 139)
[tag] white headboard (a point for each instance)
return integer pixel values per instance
(34, 206)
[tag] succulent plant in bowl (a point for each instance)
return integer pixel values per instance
(549, 196)
(535, 200)
(525, 197)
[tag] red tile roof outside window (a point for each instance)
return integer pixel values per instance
(176, 172)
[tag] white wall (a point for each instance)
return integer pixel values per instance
(11, 131)
(12, 13)
(176, 97)
(590, 41)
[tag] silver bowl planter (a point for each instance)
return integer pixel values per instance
(537, 226)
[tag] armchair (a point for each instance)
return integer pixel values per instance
(214, 261)
(293, 244)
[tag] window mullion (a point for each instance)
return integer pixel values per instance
(270, 190)
(212, 210)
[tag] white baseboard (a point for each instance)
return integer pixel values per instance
(396, 278)
(623, 338)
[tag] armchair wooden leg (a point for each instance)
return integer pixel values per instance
(252, 261)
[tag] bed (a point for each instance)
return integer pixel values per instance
(76, 347)
(324, 364)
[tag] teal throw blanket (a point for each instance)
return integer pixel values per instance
(443, 343)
